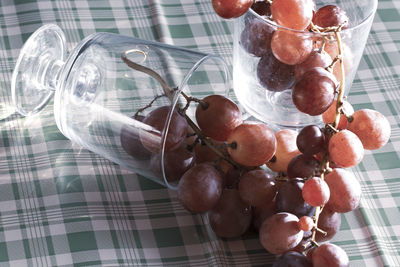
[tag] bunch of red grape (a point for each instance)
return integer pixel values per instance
(317, 187)
(291, 187)
(221, 170)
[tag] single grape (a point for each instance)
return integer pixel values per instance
(314, 92)
(232, 176)
(306, 223)
(309, 253)
(256, 37)
(262, 8)
(331, 48)
(257, 187)
(320, 156)
(176, 163)
(301, 247)
(292, 259)
(261, 213)
(274, 75)
(280, 233)
(252, 144)
(311, 140)
(345, 149)
(345, 190)
(293, 14)
(316, 58)
(331, 16)
(231, 217)
(329, 221)
(151, 139)
(217, 116)
(200, 188)
(228, 9)
(291, 47)
(315, 192)
(371, 127)
(329, 115)
(204, 153)
(131, 144)
(303, 166)
(289, 199)
(329, 255)
(286, 149)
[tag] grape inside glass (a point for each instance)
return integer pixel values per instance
(263, 84)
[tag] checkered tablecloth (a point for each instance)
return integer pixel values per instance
(61, 205)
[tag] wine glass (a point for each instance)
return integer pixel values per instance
(107, 85)
(257, 90)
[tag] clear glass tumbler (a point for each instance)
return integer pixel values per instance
(274, 106)
(105, 87)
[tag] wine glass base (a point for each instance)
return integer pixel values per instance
(33, 81)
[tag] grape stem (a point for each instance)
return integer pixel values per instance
(170, 94)
(147, 106)
(339, 106)
(339, 102)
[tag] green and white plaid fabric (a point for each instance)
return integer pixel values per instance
(61, 205)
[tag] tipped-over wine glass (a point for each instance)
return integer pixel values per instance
(118, 96)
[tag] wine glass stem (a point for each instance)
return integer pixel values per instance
(49, 72)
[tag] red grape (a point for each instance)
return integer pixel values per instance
(204, 153)
(316, 58)
(176, 163)
(306, 223)
(311, 140)
(256, 37)
(157, 118)
(329, 115)
(262, 8)
(274, 75)
(286, 149)
(232, 175)
(228, 9)
(200, 188)
(218, 117)
(329, 221)
(130, 142)
(280, 233)
(329, 255)
(303, 166)
(345, 149)
(292, 259)
(257, 187)
(300, 248)
(291, 47)
(252, 144)
(314, 92)
(261, 213)
(293, 14)
(331, 16)
(345, 190)
(332, 49)
(290, 199)
(231, 217)
(315, 192)
(371, 127)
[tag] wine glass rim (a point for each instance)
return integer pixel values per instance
(273, 23)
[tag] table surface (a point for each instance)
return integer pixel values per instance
(62, 205)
